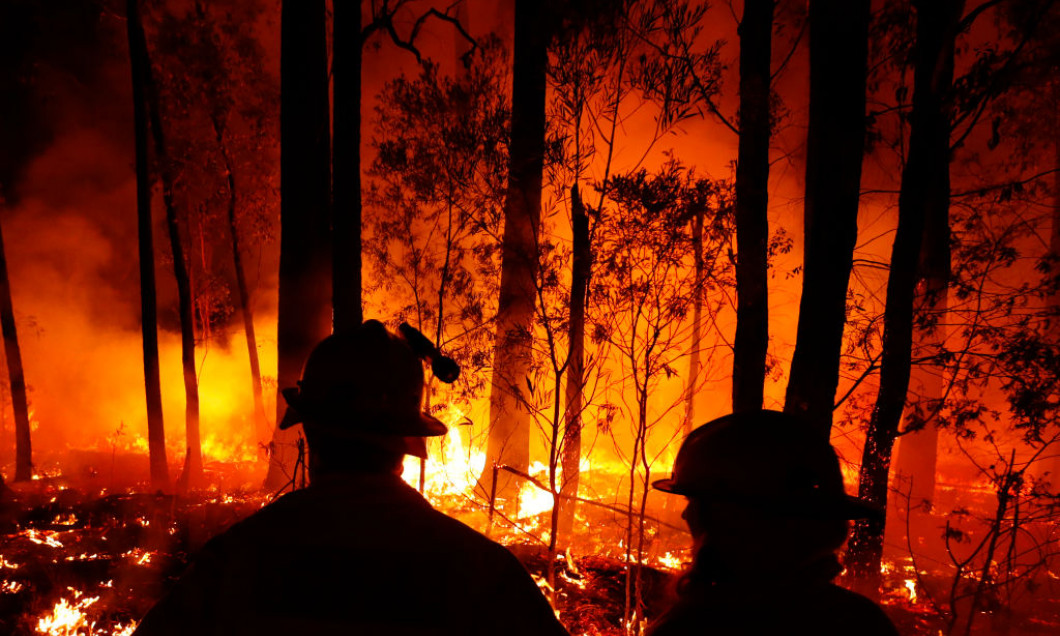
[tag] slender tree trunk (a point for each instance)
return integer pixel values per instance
(20, 405)
(346, 219)
(305, 273)
(752, 200)
(917, 452)
(834, 147)
(156, 437)
(509, 436)
(697, 324)
(575, 388)
(1053, 465)
(260, 421)
(191, 477)
(925, 187)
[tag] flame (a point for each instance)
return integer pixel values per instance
(451, 467)
(68, 618)
(910, 585)
(671, 561)
(533, 501)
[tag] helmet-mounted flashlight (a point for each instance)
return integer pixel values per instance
(444, 368)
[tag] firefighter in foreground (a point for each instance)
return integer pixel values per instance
(357, 551)
(767, 512)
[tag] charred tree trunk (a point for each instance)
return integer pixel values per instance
(509, 435)
(917, 454)
(697, 324)
(305, 182)
(19, 403)
(156, 437)
(260, 421)
(752, 200)
(191, 477)
(575, 388)
(925, 187)
(346, 219)
(1054, 250)
(834, 147)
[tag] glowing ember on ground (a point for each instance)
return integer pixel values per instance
(85, 557)
(139, 556)
(4, 563)
(11, 587)
(44, 537)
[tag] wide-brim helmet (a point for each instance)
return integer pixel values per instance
(767, 460)
(361, 384)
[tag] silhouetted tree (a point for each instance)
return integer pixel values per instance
(346, 158)
(16, 376)
(509, 437)
(834, 146)
(925, 193)
(191, 476)
(156, 440)
(752, 199)
(305, 177)
(644, 289)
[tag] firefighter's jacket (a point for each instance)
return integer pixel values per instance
(774, 603)
(353, 554)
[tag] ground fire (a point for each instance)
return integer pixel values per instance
(619, 221)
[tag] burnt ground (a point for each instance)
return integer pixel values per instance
(108, 557)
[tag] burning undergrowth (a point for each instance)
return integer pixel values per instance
(91, 562)
(85, 550)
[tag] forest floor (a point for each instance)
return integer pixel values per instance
(91, 563)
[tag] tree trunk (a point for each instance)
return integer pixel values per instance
(191, 477)
(917, 452)
(509, 435)
(260, 421)
(156, 437)
(575, 387)
(346, 219)
(1054, 249)
(752, 200)
(834, 147)
(305, 275)
(924, 189)
(697, 325)
(19, 403)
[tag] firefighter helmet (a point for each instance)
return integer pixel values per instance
(766, 460)
(367, 382)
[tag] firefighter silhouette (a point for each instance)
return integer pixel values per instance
(357, 551)
(767, 512)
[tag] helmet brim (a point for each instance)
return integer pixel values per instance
(420, 425)
(847, 507)
(668, 486)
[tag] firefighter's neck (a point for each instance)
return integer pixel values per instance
(321, 467)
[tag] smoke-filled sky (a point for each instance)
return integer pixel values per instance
(69, 220)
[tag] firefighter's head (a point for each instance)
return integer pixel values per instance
(762, 485)
(360, 400)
